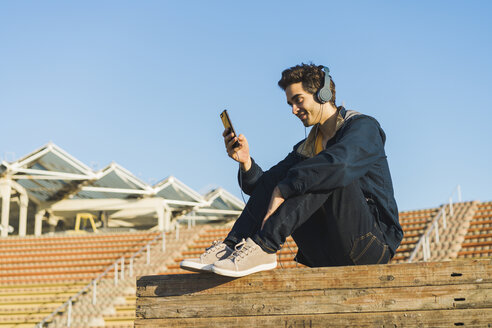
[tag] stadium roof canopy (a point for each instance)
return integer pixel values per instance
(59, 183)
(177, 193)
(219, 203)
(48, 174)
(176, 197)
(114, 181)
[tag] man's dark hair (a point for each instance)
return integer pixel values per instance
(311, 76)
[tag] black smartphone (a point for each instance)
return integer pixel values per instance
(224, 116)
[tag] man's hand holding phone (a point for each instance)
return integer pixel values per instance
(238, 149)
(239, 154)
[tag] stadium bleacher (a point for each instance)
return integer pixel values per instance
(414, 224)
(37, 274)
(40, 273)
(478, 239)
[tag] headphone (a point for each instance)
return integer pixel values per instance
(324, 94)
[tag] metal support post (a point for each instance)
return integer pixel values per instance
(38, 223)
(116, 273)
(426, 248)
(5, 192)
(23, 203)
(424, 251)
(94, 292)
(148, 254)
(436, 227)
(444, 221)
(122, 268)
(131, 266)
(167, 219)
(69, 313)
(451, 212)
(161, 217)
(189, 223)
(193, 218)
(163, 241)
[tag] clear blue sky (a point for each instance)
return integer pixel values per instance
(142, 83)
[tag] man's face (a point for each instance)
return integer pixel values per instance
(303, 104)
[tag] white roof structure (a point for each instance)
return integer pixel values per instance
(222, 199)
(177, 193)
(59, 183)
(220, 202)
(48, 174)
(114, 181)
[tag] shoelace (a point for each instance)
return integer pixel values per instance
(241, 249)
(214, 245)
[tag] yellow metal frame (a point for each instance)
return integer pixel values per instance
(85, 217)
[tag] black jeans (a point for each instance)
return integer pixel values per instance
(330, 229)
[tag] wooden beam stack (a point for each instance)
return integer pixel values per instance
(440, 294)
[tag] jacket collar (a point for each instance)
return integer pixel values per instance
(307, 148)
(342, 111)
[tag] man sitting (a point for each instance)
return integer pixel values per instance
(333, 193)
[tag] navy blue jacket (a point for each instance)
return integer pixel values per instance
(355, 152)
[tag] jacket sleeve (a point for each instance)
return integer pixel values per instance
(248, 179)
(360, 145)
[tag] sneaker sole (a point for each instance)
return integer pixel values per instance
(258, 268)
(195, 267)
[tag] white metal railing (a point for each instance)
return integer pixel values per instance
(118, 266)
(425, 241)
(191, 221)
(9, 229)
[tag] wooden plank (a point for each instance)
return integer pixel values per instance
(440, 318)
(317, 301)
(302, 279)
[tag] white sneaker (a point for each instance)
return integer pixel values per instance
(214, 253)
(248, 258)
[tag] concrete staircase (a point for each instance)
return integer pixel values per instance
(446, 244)
(478, 239)
(414, 225)
(115, 305)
